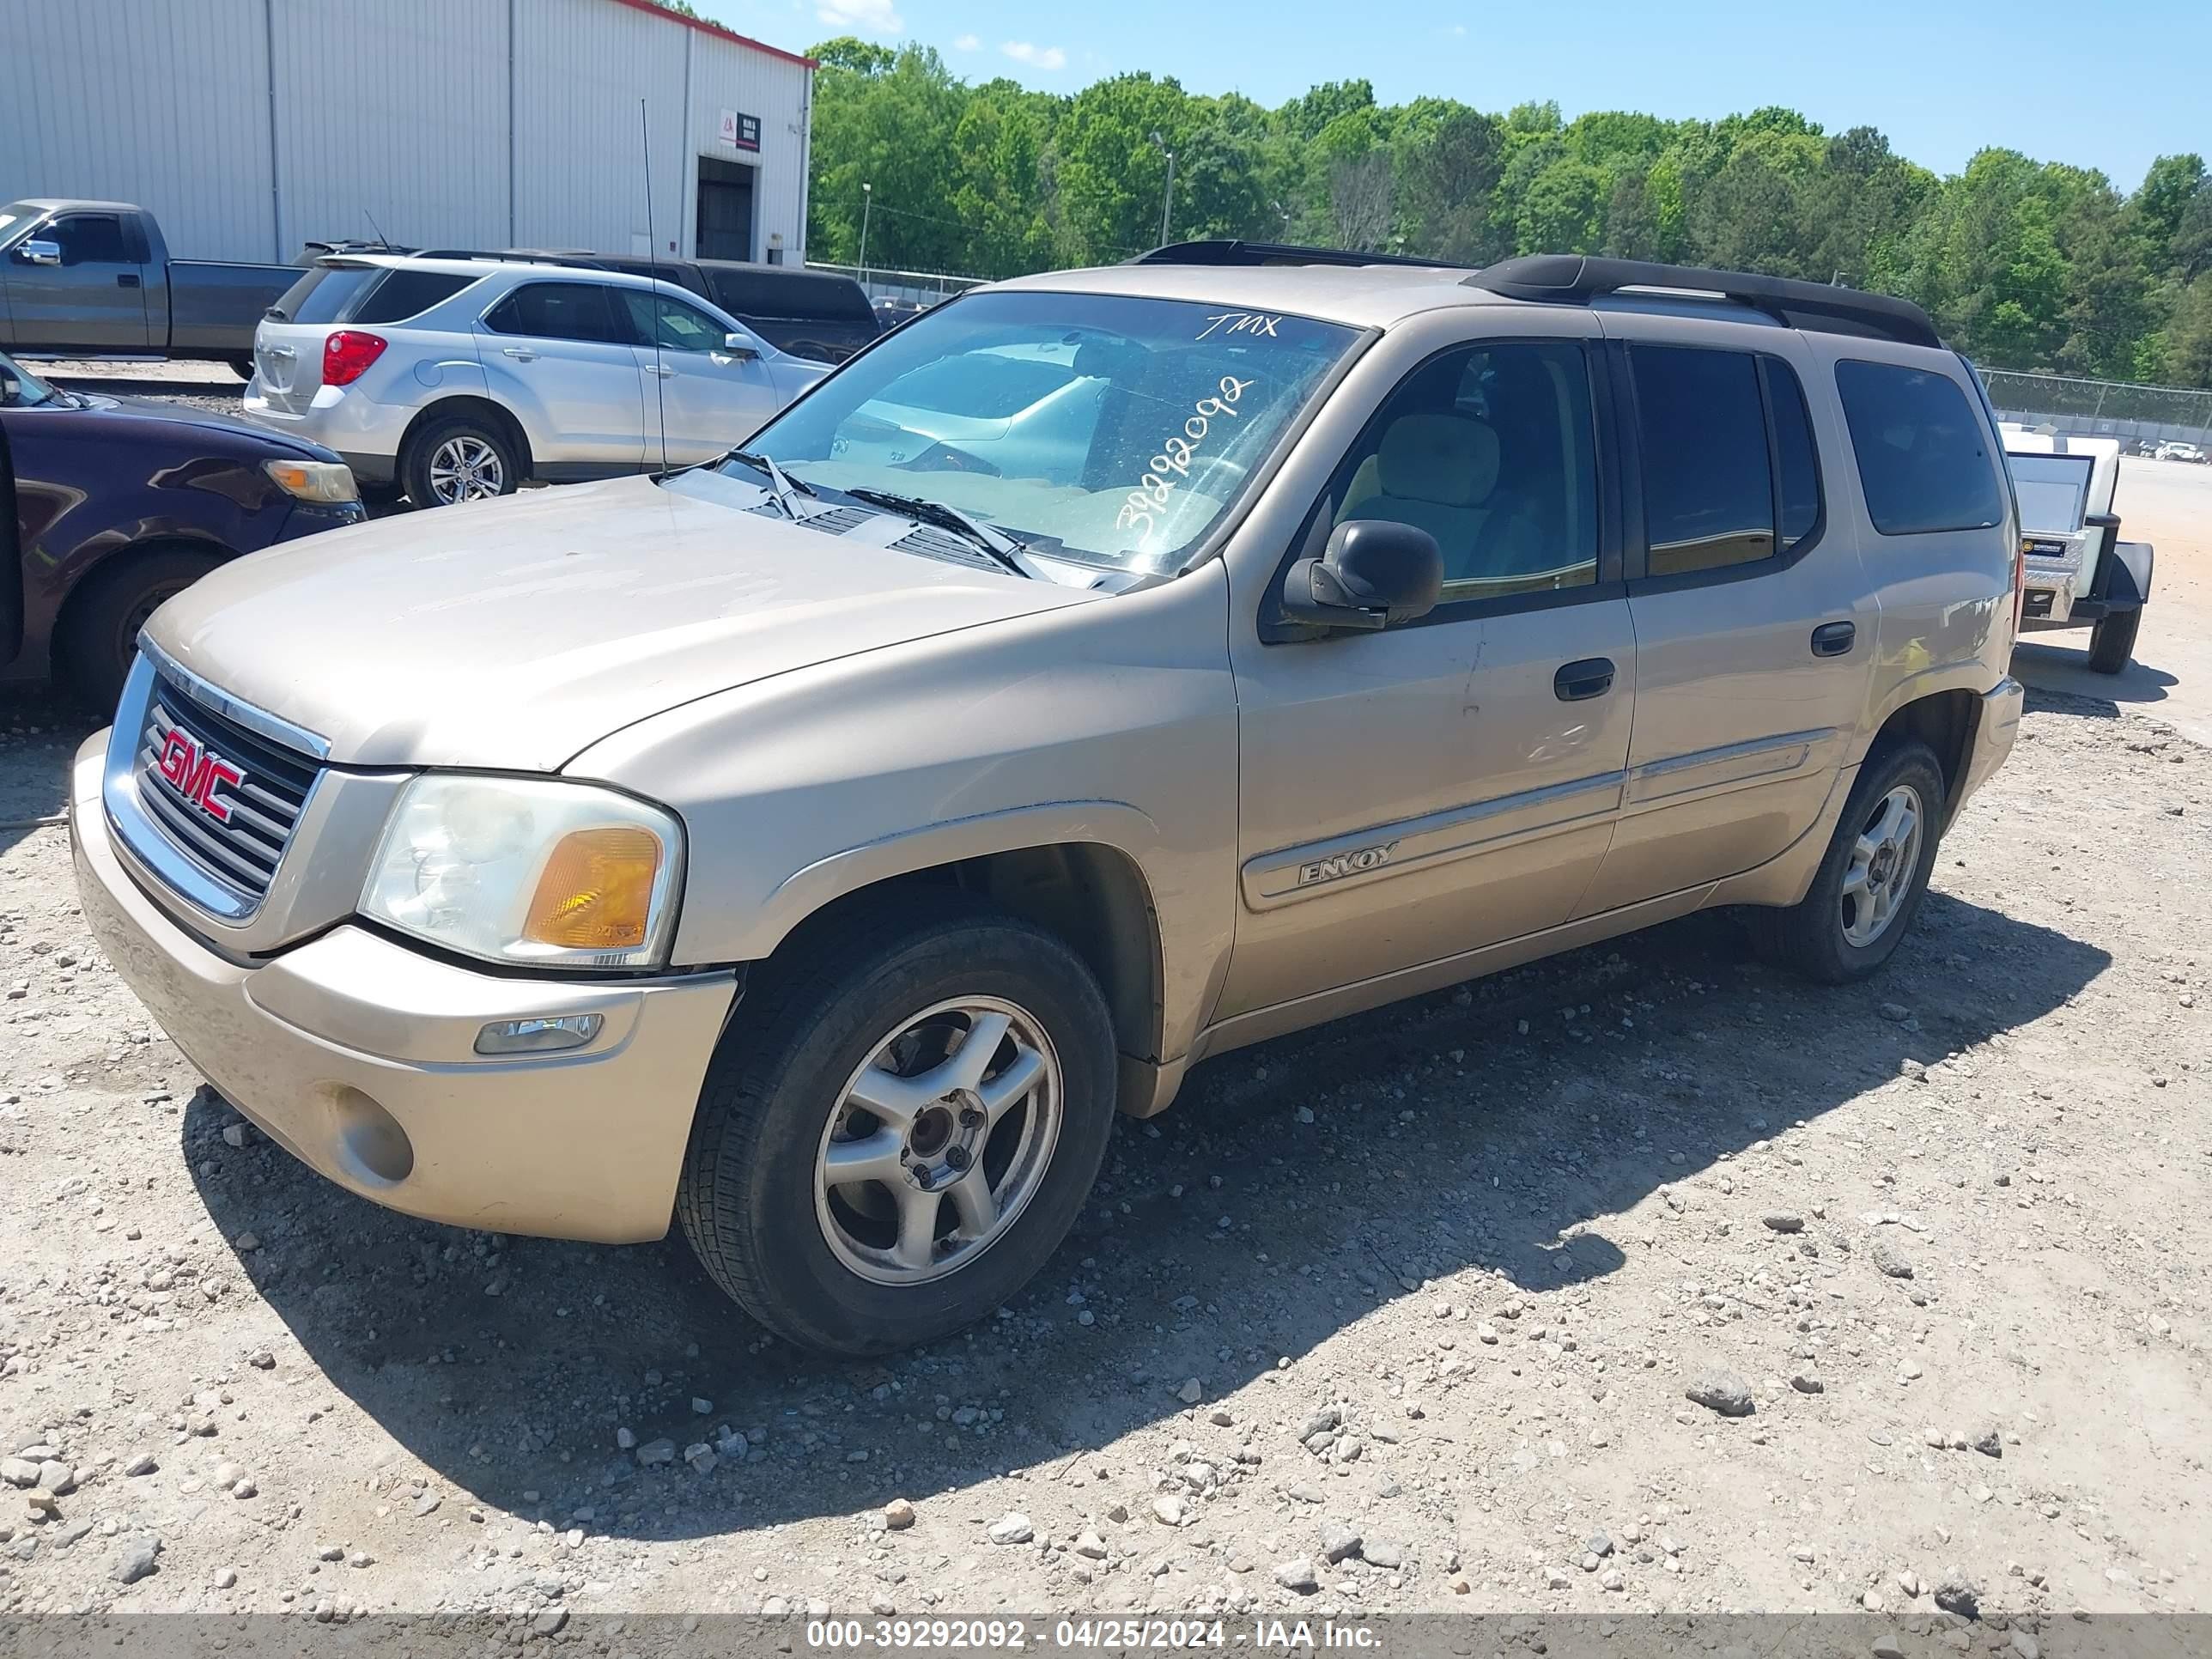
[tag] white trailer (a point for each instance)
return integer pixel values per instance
(2079, 573)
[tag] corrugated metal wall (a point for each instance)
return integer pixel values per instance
(247, 126)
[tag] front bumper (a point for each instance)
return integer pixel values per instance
(356, 1054)
(1994, 732)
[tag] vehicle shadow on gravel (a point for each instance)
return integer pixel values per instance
(1508, 1126)
(39, 732)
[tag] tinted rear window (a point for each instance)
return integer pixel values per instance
(1923, 458)
(764, 291)
(1708, 483)
(560, 310)
(405, 294)
(323, 294)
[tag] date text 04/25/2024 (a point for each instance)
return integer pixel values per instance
(1016, 1635)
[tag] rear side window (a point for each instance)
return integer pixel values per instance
(1731, 474)
(1708, 480)
(1923, 460)
(761, 292)
(405, 294)
(322, 294)
(1796, 460)
(560, 310)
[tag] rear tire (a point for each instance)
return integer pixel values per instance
(2112, 641)
(883, 1259)
(99, 633)
(1862, 901)
(241, 367)
(457, 457)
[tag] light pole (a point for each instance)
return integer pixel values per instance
(1167, 196)
(867, 205)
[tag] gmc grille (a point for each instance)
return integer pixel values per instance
(242, 849)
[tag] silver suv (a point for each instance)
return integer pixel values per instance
(460, 378)
(818, 846)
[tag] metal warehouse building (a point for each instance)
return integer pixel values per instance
(248, 127)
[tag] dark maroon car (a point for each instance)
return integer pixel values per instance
(108, 505)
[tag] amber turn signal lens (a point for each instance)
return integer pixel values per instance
(596, 891)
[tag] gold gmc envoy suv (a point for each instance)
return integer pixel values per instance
(1105, 669)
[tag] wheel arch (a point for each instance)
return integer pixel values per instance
(468, 403)
(1092, 894)
(1944, 721)
(90, 577)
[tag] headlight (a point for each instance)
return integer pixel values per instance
(539, 872)
(313, 481)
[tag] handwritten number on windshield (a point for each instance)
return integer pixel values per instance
(1176, 451)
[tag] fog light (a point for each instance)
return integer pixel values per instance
(538, 1037)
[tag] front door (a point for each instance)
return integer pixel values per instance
(704, 397)
(1415, 793)
(95, 301)
(1755, 621)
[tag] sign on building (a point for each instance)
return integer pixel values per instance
(739, 131)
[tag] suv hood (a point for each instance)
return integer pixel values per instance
(514, 634)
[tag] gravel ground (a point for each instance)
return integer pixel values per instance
(1645, 1278)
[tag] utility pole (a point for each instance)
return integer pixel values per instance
(1167, 196)
(867, 205)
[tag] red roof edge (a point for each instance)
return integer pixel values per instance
(720, 33)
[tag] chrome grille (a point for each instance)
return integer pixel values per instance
(240, 847)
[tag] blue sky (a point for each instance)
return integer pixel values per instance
(2090, 82)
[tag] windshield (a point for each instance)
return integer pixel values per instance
(1117, 428)
(2053, 490)
(15, 219)
(30, 390)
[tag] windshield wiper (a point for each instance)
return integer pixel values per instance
(783, 485)
(995, 541)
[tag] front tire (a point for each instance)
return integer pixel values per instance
(99, 634)
(460, 458)
(1872, 879)
(863, 1176)
(2112, 641)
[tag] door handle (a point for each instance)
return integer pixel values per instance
(1578, 681)
(520, 354)
(126, 279)
(1834, 639)
(664, 371)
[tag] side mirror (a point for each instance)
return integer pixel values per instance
(37, 253)
(11, 390)
(737, 346)
(1375, 572)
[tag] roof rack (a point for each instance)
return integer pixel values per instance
(1575, 279)
(1236, 252)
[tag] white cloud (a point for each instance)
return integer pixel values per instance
(967, 43)
(1042, 58)
(862, 16)
(1457, 28)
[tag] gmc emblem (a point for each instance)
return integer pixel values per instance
(195, 774)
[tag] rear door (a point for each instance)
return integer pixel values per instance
(559, 354)
(705, 398)
(1755, 620)
(95, 301)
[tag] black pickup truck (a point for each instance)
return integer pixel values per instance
(94, 279)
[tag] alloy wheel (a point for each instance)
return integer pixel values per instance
(1885, 859)
(940, 1140)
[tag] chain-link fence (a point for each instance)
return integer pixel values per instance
(2105, 409)
(919, 288)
